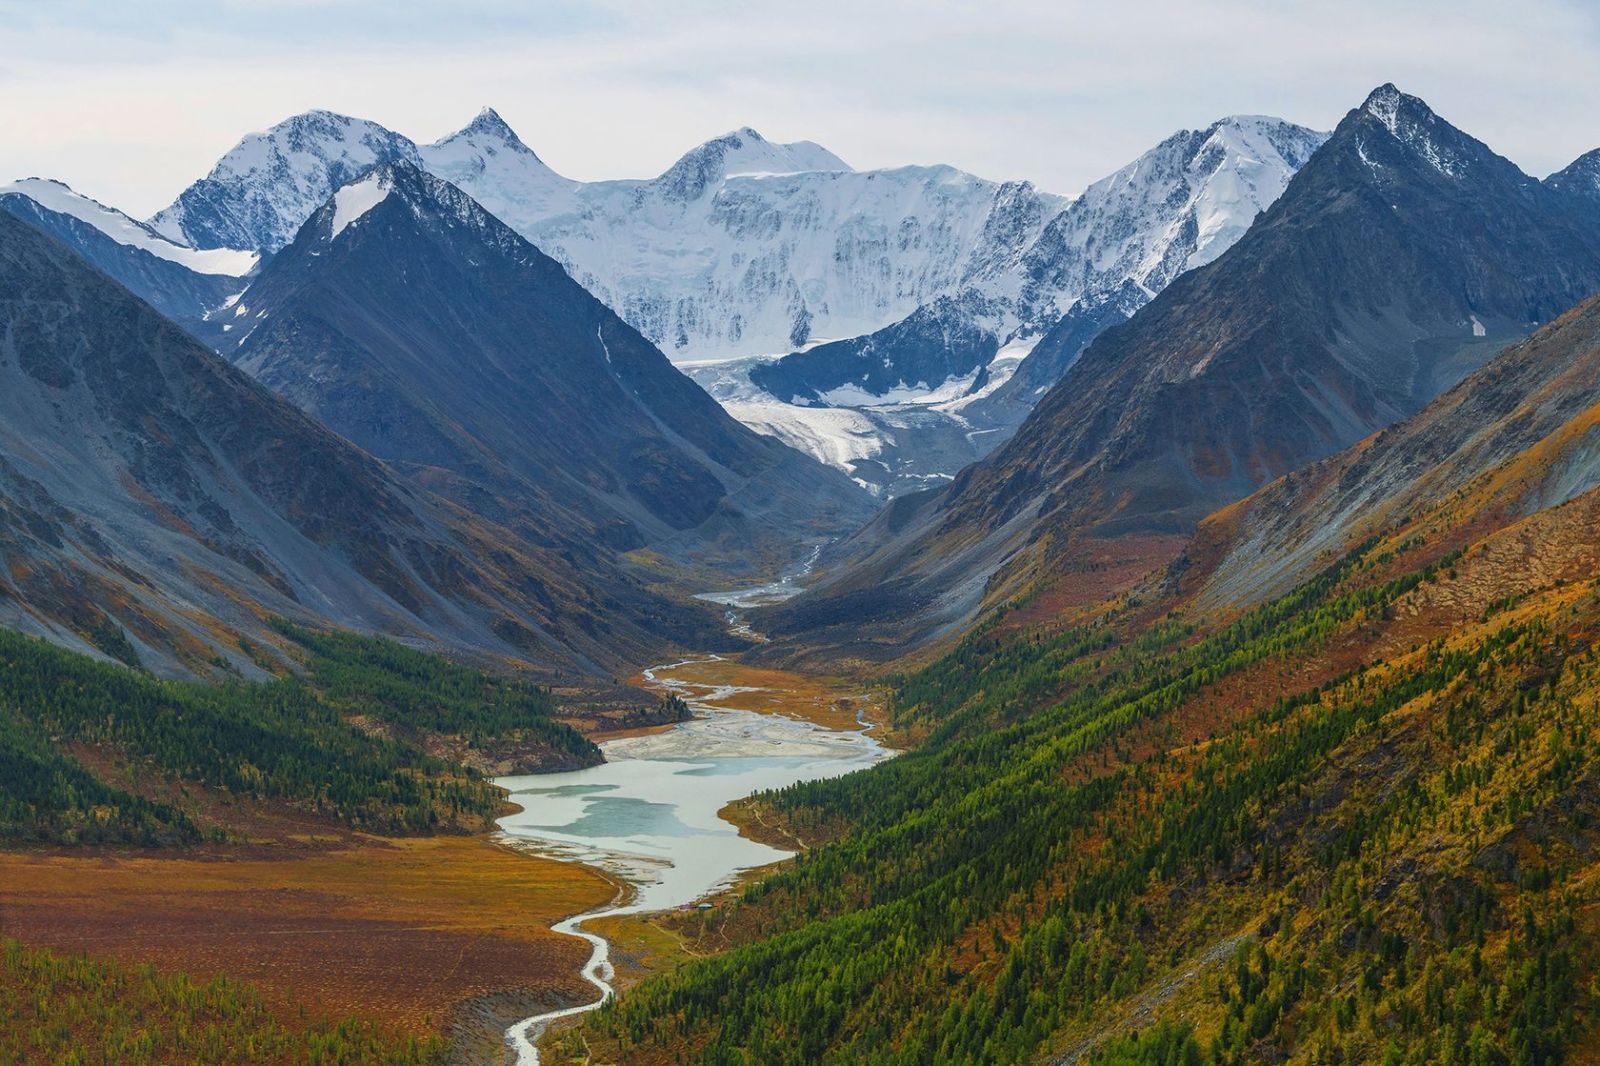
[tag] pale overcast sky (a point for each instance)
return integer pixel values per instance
(128, 102)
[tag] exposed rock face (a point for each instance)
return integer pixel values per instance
(425, 330)
(153, 498)
(1400, 258)
(1518, 437)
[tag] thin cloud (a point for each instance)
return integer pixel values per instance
(130, 105)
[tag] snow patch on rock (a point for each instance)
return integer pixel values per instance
(355, 200)
(61, 199)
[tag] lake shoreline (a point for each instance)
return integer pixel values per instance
(654, 816)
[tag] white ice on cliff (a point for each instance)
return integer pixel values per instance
(61, 199)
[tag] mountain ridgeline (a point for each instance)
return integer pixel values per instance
(1176, 207)
(938, 282)
(1400, 257)
(415, 324)
(743, 245)
(158, 505)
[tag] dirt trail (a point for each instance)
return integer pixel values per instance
(1136, 1015)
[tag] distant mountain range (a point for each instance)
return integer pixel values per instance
(1402, 256)
(938, 282)
(1390, 261)
(1178, 206)
(742, 246)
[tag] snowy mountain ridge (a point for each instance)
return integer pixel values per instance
(743, 245)
(897, 288)
(943, 385)
(1178, 206)
(60, 198)
(746, 245)
(267, 185)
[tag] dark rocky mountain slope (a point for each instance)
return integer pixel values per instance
(158, 505)
(417, 325)
(171, 286)
(1400, 257)
(1519, 437)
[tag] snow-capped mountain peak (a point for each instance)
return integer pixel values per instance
(1412, 123)
(56, 196)
(488, 123)
(1241, 167)
(743, 152)
(1176, 207)
(487, 158)
(260, 192)
(742, 247)
(486, 136)
(754, 154)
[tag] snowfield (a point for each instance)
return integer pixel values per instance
(57, 197)
(945, 280)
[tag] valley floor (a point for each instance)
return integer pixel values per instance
(443, 935)
(409, 933)
(667, 815)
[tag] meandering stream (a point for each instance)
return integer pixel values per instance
(648, 815)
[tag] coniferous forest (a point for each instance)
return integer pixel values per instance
(295, 740)
(1374, 861)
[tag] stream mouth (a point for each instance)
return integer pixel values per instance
(648, 816)
(738, 601)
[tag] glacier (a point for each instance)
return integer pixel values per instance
(861, 314)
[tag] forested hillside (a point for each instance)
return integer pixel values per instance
(93, 752)
(1357, 824)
